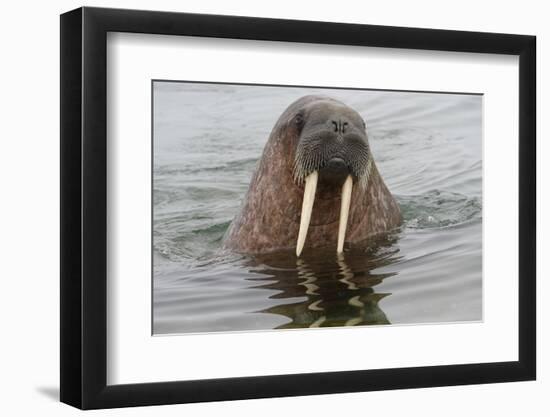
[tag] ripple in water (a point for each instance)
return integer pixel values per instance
(438, 209)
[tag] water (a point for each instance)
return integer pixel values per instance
(207, 140)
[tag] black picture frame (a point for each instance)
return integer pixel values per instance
(84, 207)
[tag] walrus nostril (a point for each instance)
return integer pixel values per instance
(339, 126)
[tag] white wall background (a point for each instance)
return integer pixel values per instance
(29, 175)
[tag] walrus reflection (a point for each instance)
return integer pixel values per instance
(329, 290)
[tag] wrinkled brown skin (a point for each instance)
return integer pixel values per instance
(269, 218)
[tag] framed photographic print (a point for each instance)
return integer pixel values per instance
(257, 207)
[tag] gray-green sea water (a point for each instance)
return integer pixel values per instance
(207, 139)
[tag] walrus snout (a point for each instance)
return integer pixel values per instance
(333, 152)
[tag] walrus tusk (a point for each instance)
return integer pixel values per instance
(344, 213)
(307, 208)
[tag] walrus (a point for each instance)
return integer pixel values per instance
(315, 185)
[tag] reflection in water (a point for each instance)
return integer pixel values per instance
(324, 289)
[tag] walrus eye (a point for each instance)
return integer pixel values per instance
(299, 120)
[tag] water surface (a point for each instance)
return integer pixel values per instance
(207, 140)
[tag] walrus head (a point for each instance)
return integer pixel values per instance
(332, 151)
(317, 154)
